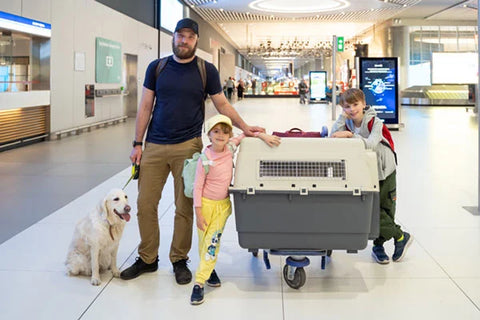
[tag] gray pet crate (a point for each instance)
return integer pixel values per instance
(306, 197)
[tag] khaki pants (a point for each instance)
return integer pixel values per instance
(158, 160)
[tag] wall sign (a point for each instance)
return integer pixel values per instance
(108, 61)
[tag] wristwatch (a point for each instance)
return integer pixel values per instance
(137, 143)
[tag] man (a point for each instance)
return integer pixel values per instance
(174, 102)
(230, 86)
(302, 90)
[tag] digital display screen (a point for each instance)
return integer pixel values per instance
(318, 85)
(379, 82)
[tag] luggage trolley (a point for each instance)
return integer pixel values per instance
(308, 196)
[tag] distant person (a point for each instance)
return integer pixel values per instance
(174, 117)
(254, 86)
(240, 89)
(230, 86)
(211, 199)
(302, 91)
(360, 121)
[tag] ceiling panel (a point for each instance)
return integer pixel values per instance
(252, 30)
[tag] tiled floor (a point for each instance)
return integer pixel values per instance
(438, 279)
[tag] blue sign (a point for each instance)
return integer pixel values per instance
(17, 23)
(379, 83)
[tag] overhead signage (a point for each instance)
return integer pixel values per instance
(340, 44)
(379, 82)
(16, 23)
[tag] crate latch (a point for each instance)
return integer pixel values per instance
(250, 190)
(304, 191)
(357, 191)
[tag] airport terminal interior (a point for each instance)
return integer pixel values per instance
(66, 132)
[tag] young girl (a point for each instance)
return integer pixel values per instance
(211, 199)
(360, 121)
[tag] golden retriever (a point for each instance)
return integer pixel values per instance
(96, 238)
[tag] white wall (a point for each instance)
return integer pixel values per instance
(75, 25)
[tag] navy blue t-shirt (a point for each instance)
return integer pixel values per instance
(177, 114)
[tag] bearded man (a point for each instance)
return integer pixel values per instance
(174, 101)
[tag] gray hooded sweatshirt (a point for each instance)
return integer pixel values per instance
(372, 140)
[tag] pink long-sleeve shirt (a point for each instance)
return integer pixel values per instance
(214, 185)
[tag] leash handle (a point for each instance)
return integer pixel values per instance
(134, 175)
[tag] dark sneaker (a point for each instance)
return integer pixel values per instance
(378, 252)
(138, 268)
(182, 273)
(402, 246)
(197, 295)
(214, 280)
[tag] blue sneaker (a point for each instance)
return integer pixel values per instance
(214, 280)
(378, 252)
(197, 295)
(402, 246)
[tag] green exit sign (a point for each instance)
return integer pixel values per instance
(340, 44)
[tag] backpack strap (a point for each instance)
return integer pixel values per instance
(160, 66)
(205, 162)
(203, 74)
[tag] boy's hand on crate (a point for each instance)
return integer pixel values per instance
(342, 134)
(201, 223)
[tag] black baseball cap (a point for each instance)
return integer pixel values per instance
(187, 23)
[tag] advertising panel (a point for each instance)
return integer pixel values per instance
(318, 85)
(454, 67)
(108, 61)
(379, 82)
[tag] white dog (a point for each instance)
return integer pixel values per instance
(96, 238)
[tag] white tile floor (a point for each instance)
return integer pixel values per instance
(438, 279)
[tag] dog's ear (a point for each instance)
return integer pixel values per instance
(105, 210)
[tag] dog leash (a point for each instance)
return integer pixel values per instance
(135, 174)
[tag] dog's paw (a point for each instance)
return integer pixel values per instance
(95, 282)
(116, 273)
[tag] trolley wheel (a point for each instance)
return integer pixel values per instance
(255, 252)
(298, 279)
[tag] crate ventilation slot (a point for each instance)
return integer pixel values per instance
(302, 169)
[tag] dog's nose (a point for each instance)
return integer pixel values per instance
(127, 208)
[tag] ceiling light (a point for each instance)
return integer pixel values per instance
(301, 6)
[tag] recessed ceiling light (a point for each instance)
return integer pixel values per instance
(301, 6)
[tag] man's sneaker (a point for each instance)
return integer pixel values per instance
(138, 268)
(197, 295)
(402, 246)
(182, 273)
(214, 280)
(378, 252)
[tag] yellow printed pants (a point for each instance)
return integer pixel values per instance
(216, 213)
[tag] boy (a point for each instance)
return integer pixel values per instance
(360, 121)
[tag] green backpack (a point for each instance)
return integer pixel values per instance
(189, 169)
